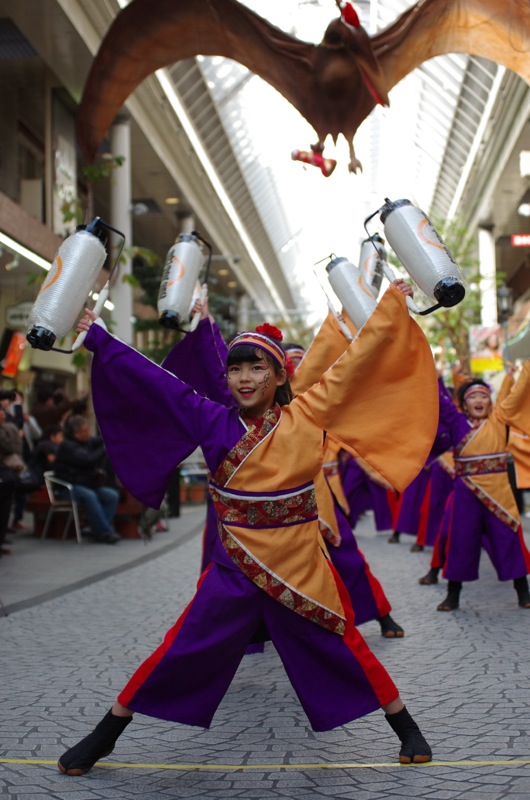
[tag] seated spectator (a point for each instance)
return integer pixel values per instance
(54, 434)
(43, 459)
(81, 461)
(11, 464)
(30, 432)
(7, 396)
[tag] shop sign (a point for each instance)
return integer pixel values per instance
(17, 316)
(520, 240)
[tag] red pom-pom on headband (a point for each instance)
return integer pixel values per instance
(289, 367)
(270, 330)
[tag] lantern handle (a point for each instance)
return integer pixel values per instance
(203, 296)
(98, 308)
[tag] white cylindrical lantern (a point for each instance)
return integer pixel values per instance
(352, 290)
(181, 272)
(68, 284)
(422, 251)
(371, 260)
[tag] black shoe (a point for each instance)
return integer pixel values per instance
(523, 595)
(390, 629)
(112, 538)
(414, 747)
(451, 602)
(430, 578)
(100, 743)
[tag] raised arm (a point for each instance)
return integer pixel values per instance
(381, 396)
(149, 419)
(515, 408)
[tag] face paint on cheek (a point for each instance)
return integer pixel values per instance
(266, 382)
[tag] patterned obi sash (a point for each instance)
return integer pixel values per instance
(480, 465)
(262, 510)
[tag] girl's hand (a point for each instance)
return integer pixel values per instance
(403, 287)
(86, 321)
(201, 307)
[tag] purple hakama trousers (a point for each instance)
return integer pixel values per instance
(337, 678)
(469, 526)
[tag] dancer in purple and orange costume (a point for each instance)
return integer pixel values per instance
(270, 565)
(417, 502)
(187, 360)
(407, 516)
(439, 488)
(368, 598)
(482, 511)
(365, 492)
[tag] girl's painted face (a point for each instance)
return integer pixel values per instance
(253, 384)
(477, 405)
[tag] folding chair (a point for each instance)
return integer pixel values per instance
(62, 505)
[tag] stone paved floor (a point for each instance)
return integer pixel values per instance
(464, 676)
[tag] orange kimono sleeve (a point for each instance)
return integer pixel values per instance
(328, 345)
(515, 408)
(381, 396)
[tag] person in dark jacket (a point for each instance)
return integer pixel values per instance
(81, 461)
(11, 464)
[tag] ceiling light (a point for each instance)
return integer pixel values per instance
(13, 264)
(172, 201)
(223, 271)
(524, 163)
(231, 284)
(524, 205)
(23, 251)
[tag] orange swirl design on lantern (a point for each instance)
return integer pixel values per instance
(425, 238)
(363, 288)
(58, 263)
(180, 273)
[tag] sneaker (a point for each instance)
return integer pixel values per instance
(112, 538)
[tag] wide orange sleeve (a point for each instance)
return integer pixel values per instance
(515, 408)
(328, 344)
(381, 396)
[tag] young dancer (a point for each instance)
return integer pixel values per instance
(482, 510)
(269, 567)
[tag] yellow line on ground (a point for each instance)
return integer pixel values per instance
(275, 767)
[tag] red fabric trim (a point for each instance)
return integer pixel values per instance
(384, 687)
(145, 669)
(381, 600)
(443, 557)
(437, 557)
(395, 505)
(524, 548)
(421, 536)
